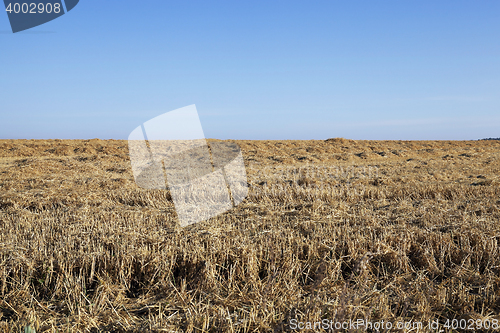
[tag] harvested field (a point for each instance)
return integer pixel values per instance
(336, 229)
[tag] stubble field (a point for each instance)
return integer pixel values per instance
(339, 229)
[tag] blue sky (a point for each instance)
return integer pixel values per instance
(257, 69)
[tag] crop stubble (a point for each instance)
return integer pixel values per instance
(335, 229)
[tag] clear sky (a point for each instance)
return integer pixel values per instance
(257, 69)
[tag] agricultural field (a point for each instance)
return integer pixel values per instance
(334, 230)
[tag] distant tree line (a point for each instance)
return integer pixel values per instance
(491, 139)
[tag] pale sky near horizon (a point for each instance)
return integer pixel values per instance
(409, 70)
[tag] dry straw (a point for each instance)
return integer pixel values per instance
(336, 229)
